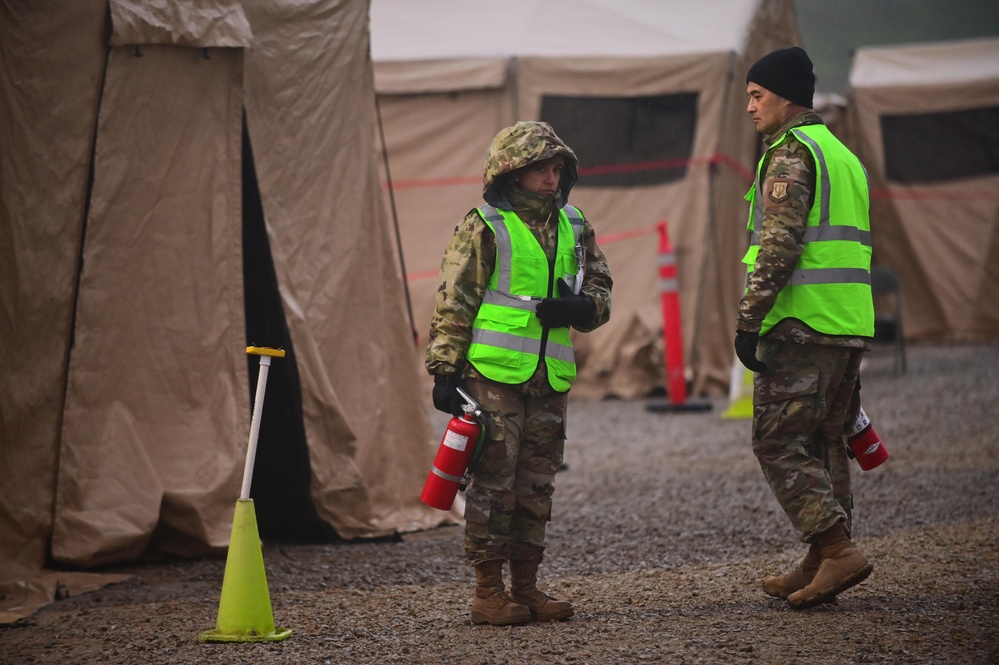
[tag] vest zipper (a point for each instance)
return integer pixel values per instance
(545, 329)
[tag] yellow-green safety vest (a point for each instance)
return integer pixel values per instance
(830, 288)
(508, 339)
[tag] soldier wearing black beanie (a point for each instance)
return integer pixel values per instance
(786, 72)
(805, 321)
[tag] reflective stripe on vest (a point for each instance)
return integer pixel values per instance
(507, 337)
(829, 289)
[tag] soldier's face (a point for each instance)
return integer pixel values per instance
(543, 177)
(767, 110)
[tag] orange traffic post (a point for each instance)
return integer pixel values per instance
(669, 290)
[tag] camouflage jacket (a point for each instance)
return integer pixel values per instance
(469, 259)
(781, 237)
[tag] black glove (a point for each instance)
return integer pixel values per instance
(570, 309)
(745, 348)
(446, 397)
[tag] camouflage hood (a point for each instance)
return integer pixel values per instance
(516, 147)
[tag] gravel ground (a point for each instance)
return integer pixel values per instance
(663, 527)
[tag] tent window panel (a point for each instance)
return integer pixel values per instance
(626, 141)
(935, 147)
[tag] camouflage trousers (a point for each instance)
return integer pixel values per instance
(803, 409)
(508, 503)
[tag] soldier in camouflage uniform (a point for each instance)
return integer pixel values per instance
(506, 343)
(808, 311)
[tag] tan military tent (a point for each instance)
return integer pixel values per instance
(148, 234)
(925, 118)
(650, 95)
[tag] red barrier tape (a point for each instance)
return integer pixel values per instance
(718, 158)
(925, 195)
(633, 167)
(602, 240)
(434, 182)
(624, 235)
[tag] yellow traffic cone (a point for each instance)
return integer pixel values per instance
(245, 607)
(740, 394)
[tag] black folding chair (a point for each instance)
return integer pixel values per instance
(887, 293)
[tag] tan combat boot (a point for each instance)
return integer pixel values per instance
(842, 566)
(784, 585)
(491, 604)
(524, 589)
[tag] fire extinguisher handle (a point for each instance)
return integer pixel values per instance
(471, 406)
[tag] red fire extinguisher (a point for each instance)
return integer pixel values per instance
(865, 445)
(455, 456)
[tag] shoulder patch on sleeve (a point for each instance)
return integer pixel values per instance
(779, 190)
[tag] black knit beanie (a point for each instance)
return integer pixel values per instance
(786, 72)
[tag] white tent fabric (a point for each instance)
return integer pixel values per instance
(450, 74)
(962, 62)
(451, 29)
(125, 405)
(939, 233)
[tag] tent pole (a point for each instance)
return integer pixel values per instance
(712, 227)
(395, 220)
